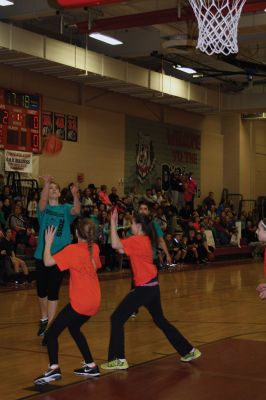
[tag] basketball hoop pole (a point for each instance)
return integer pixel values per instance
(217, 24)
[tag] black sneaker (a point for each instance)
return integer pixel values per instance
(42, 327)
(49, 376)
(87, 371)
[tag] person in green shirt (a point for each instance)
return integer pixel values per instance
(51, 213)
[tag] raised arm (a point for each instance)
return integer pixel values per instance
(115, 240)
(45, 192)
(75, 210)
(48, 259)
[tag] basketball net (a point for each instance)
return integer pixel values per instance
(217, 23)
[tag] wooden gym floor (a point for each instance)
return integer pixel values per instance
(217, 308)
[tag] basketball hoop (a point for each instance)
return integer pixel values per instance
(217, 23)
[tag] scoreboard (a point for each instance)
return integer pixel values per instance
(20, 121)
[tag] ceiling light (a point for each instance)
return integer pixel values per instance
(198, 75)
(6, 3)
(105, 39)
(185, 69)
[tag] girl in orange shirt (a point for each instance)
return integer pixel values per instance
(145, 293)
(82, 259)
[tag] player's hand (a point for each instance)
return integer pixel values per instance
(261, 287)
(74, 189)
(262, 294)
(114, 217)
(47, 178)
(49, 234)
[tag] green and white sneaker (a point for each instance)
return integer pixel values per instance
(192, 355)
(115, 364)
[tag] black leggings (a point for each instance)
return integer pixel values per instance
(68, 318)
(149, 297)
(48, 280)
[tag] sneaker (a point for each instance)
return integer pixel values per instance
(192, 355)
(42, 327)
(133, 315)
(52, 374)
(115, 364)
(87, 371)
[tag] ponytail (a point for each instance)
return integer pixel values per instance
(87, 231)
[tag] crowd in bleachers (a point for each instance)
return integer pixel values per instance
(191, 232)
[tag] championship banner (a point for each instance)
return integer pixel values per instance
(18, 161)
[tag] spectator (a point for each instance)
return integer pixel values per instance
(177, 189)
(113, 196)
(6, 207)
(2, 216)
(8, 249)
(209, 201)
(103, 196)
(157, 185)
(32, 211)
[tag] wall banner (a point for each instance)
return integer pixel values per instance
(18, 161)
(154, 149)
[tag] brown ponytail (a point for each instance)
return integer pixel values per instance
(87, 231)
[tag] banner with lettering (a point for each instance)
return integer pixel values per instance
(18, 161)
(154, 149)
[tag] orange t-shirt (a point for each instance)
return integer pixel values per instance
(84, 287)
(139, 249)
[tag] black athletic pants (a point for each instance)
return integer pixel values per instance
(68, 318)
(149, 297)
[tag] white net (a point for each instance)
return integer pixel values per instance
(217, 23)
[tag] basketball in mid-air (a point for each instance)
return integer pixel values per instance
(52, 145)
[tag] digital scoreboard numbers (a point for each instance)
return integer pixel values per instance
(20, 121)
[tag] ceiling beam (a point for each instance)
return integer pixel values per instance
(155, 18)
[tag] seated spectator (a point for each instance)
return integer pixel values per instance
(192, 247)
(128, 204)
(209, 201)
(103, 196)
(161, 220)
(2, 184)
(113, 196)
(32, 212)
(6, 193)
(148, 198)
(86, 199)
(185, 215)
(202, 248)
(158, 197)
(196, 223)
(157, 185)
(180, 249)
(235, 238)
(134, 197)
(7, 247)
(208, 240)
(2, 216)
(222, 234)
(127, 221)
(16, 221)
(212, 212)
(7, 208)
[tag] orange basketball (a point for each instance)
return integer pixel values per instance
(52, 145)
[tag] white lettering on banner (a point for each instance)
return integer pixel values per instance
(18, 161)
